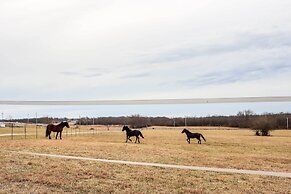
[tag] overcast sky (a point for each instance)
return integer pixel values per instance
(131, 49)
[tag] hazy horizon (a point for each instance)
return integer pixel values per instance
(144, 110)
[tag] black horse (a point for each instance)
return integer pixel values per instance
(193, 135)
(130, 133)
(56, 128)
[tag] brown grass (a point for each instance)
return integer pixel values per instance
(224, 148)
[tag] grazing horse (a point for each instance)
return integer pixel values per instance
(56, 128)
(193, 135)
(130, 133)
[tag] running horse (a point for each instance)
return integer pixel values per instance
(130, 133)
(56, 128)
(193, 135)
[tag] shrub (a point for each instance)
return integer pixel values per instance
(263, 125)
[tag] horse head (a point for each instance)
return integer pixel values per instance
(65, 124)
(124, 128)
(184, 131)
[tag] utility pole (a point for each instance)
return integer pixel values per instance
(12, 130)
(174, 122)
(93, 121)
(36, 125)
(185, 121)
(25, 128)
(287, 123)
(2, 116)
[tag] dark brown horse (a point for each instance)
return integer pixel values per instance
(56, 128)
(130, 133)
(193, 135)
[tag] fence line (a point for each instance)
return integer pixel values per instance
(33, 133)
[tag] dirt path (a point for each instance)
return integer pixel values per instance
(223, 170)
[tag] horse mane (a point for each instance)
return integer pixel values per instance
(127, 128)
(186, 130)
(63, 123)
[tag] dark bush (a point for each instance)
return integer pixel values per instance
(263, 125)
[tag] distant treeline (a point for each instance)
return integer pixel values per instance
(244, 119)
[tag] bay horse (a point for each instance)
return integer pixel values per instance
(56, 128)
(130, 133)
(193, 135)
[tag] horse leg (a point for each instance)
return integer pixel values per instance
(129, 139)
(135, 139)
(61, 135)
(57, 135)
(50, 135)
(199, 140)
(188, 140)
(138, 139)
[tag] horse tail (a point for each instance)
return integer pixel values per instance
(203, 137)
(141, 134)
(47, 131)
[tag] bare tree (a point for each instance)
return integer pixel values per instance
(263, 125)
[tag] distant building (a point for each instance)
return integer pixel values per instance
(73, 122)
(14, 124)
(17, 124)
(2, 125)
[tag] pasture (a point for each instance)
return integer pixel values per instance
(225, 148)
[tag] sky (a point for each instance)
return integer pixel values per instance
(154, 49)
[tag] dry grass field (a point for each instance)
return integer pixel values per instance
(225, 148)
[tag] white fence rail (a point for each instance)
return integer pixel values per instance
(153, 101)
